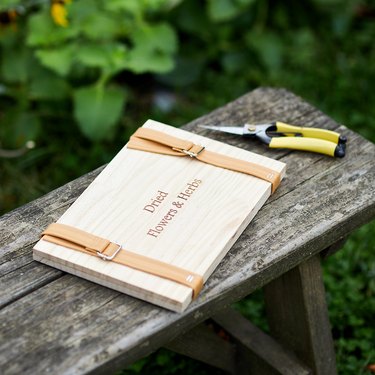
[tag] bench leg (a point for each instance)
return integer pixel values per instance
(244, 348)
(258, 353)
(203, 344)
(298, 317)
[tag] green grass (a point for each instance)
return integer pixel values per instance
(349, 276)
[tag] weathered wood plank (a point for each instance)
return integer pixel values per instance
(111, 330)
(29, 278)
(261, 354)
(298, 316)
(203, 344)
(21, 228)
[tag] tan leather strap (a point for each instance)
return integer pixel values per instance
(77, 239)
(146, 139)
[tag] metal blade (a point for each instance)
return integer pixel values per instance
(238, 130)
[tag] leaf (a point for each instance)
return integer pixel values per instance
(15, 63)
(48, 86)
(141, 60)
(131, 6)
(117, 58)
(58, 59)
(43, 32)
(99, 26)
(111, 57)
(160, 37)
(92, 55)
(153, 49)
(8, 4)
(189, 17)
(97, 109)
(226, 10)
(222, 10)
(269, 48)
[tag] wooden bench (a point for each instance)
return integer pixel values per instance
(52, 322)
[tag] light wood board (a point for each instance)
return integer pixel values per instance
(117, 204)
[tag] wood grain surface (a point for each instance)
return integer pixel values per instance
(58, 323)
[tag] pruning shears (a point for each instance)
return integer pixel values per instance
(280, 135)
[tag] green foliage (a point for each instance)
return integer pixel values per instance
(98, 109)
(9, 4)
(83, 59)
(154, 48)
(225, 10)
(349, 276)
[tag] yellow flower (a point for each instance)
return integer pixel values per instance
(59, 12)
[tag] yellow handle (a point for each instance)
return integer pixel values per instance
(328, 135)
(304, 144)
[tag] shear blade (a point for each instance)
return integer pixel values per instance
(226, 129)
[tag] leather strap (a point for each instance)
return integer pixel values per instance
(150, 140)
(77, 239)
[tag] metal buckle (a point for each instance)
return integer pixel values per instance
(190, 153)
(109, 257)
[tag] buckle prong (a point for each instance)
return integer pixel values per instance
(190, 153)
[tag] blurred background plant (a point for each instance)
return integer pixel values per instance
(78, 76)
